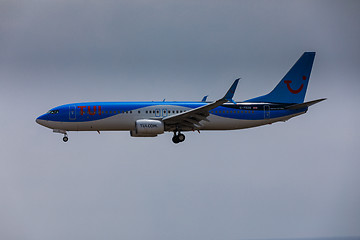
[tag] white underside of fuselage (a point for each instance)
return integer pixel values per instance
(126, 122)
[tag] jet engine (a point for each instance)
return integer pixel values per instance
(147, 128)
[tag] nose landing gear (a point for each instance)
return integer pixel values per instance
(65, 138)
(178, 137)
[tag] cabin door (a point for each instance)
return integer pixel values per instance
(72, 112)
(266, 111)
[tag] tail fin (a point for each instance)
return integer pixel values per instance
(292, 88)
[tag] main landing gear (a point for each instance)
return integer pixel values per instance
(178, 137)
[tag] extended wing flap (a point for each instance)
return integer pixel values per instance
(189, 124)
(193, 121)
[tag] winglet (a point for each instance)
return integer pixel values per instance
(204, 98)
(230, 93)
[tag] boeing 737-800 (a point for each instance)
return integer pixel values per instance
(149, 119)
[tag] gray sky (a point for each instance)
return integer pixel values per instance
(288, 180)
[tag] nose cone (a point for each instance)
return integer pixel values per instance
(38, 120)
(41, 120)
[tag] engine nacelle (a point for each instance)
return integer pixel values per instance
(147, 128)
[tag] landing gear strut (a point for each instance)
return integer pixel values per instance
(178, 137)
(65, 138)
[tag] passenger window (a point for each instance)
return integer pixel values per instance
(130, 111)
(138, 111)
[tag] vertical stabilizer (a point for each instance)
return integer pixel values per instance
(292, 88)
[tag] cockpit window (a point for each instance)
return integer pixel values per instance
(53, 111)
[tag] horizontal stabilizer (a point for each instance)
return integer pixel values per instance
(305, 104)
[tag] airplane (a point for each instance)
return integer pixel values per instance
(150, 119)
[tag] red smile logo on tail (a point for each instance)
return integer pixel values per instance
(287, 82)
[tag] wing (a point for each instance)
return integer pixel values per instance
(190, 120)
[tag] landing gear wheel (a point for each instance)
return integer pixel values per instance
(65, 139)
(175, 139)
(181, 137)
(178, 137)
